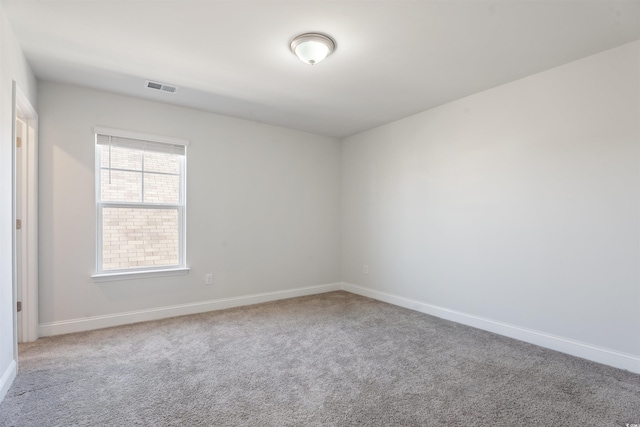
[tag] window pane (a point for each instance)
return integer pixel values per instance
(134, 238)
(161, 162)
(161, 188)
(124, 186)
(121, 158)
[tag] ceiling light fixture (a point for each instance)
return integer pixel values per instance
(312, 48)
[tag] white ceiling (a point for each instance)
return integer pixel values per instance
(394, 58)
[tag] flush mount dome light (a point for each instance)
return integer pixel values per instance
(312, 48)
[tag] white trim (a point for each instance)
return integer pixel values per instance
(29, 218)
(140, 135)
(565, 345)
(14, 240)
(142, 274)
(7, 379)
(28, 198)
(180, 208)
(98, 322)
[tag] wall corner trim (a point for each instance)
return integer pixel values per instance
(117, 319)
(564, 345)
(7, 379)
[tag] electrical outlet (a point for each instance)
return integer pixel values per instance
(365, 269)
(208, 279)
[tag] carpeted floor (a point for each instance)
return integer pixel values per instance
(332, 359)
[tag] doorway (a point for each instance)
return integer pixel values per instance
(25, 212)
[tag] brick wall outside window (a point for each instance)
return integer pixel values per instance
(134, 238)
(139, 237)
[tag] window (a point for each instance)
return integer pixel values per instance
(140, 201)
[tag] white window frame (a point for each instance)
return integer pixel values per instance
(181, 207)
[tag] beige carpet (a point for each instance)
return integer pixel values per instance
(334, 359)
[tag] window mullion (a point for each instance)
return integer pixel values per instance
(142, 172)
(139, 205)
(109, 159)
(137, 171)
(100, 237)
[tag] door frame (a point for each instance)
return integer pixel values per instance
(27, 259)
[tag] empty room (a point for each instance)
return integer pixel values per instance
(310, 213)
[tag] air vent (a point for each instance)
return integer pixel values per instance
(161, 86)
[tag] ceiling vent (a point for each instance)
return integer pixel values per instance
(161, 86)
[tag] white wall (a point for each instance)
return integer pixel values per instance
(518, 205)
(12, 67)
(262, 207)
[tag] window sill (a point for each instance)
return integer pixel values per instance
(128, 275)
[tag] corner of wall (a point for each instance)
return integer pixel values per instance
(7, 379)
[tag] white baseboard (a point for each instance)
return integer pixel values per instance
(99, 322)
(7, 379)
(553, 342)
(564, 345)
